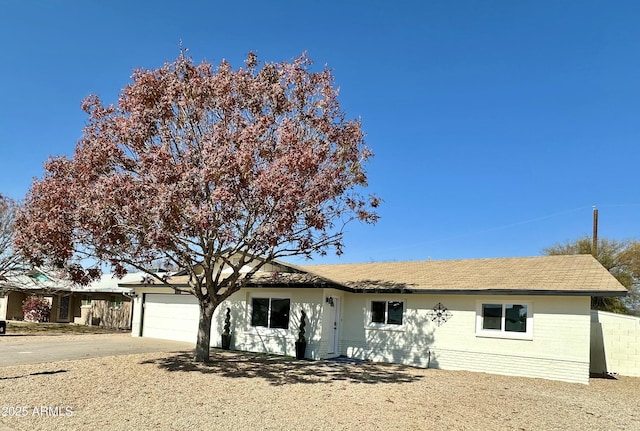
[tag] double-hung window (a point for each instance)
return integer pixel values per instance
(387, 312)
(504, 320)
(270, 312)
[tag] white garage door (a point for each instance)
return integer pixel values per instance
(170, 317)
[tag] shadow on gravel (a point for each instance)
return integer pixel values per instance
(281, 370)
(33, 335)
(40, 373)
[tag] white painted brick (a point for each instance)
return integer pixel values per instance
(621, 340)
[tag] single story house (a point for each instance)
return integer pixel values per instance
(102, 303)
(525, 316)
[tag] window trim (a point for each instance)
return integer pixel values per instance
(370, 324)
(502, 333)
(267, 329)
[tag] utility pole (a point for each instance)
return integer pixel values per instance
(594, 248)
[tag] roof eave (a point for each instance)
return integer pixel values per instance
(511, 292)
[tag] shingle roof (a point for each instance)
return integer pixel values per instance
(570, 274)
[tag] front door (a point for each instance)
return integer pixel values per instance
(334, 329)
(63, 310)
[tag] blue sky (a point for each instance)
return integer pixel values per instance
(496, 125)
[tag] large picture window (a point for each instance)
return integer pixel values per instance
(387, 312)
(504, 320)
(270, 312)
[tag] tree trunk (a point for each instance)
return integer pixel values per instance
(203, 343)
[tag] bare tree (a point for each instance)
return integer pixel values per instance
(9, 259)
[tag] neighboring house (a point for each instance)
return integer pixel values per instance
(515, 316)
(18, 285)
(102, 303)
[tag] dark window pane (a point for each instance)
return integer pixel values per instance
(492, 316)
(395, 313)
(279, 313)
(515, 318)
(377, 311)
(259, 311)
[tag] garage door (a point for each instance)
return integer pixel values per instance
(170, 317)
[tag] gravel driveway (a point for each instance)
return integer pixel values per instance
(242, 391)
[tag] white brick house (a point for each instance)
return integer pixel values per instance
(516, 316)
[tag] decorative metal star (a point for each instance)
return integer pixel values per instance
(439, 314)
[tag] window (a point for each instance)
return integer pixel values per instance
(504, 320)
(116, 302)
(270, 312)
(86, 301)
(387, 312)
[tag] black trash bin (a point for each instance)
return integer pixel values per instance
(3, 327)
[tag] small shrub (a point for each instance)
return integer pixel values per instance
(36, 309)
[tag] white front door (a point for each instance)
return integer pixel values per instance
(334, 327)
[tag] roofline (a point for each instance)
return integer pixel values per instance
(451, 291)
(305, 267)
(314, 285)
(55, 290)
(532, 292)
(330, 285)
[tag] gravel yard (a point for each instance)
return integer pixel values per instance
(242, 391)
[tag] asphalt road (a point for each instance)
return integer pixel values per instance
(22, 350)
